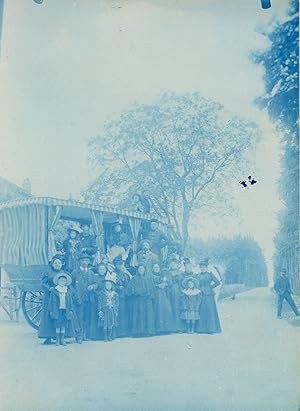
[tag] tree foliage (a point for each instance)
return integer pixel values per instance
(241, 258)
(281, 63)
(179, 152)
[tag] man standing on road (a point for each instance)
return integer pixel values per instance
(283, 289)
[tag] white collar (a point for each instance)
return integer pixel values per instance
(61, 288)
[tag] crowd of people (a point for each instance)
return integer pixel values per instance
(110, 299)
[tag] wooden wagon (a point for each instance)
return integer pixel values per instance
(28, 242)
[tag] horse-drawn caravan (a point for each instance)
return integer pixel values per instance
(28, 240)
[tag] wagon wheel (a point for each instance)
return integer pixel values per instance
(32, 302)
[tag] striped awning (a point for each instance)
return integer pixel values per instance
(50, 201)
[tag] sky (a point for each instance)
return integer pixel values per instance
(68, 66)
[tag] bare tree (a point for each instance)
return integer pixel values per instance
(179, 152)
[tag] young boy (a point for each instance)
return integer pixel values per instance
(61, 307)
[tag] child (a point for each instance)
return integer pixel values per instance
(61, 306)
(108, 305)
(190, 303)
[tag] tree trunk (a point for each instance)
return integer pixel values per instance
(185, 226)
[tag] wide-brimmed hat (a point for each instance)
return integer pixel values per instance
(74, 227)
(204, 261)
(154, 220)
(193, 279)
(145, 241)
(84, 255)
(117, 222)
(65, 275)
(57, 257)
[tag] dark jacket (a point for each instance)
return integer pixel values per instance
(157, 240)
(282, 285)
(53, 306)
(80, 281)
(121, 239)
(88, 243)
(207, 282)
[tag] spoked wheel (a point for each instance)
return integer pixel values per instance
(32, 302)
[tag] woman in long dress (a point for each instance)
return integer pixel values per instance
(47, 327)
(162, 305)
(209, 322)
(141, 295)
(94, 331)
(121, 277)
(70, 248)
(175, 294)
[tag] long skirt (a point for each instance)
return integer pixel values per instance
(178, 325)
(209, 322)
(163, 312)
(142, 316)
(46, 327)
(94, 332)
(123, 315)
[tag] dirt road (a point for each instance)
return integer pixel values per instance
(252, 366)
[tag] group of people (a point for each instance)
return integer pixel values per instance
(108, 300)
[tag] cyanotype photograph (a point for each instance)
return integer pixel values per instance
(149, 205)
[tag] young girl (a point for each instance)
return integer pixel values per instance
(108, 304)
(190, 303)
(61, 306)
(162, 305)
(141, 295)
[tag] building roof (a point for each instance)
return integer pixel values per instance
(11, 191)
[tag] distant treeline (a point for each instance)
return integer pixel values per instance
(281, 99)
(241, 258)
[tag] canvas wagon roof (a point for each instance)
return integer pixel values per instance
(73, 208)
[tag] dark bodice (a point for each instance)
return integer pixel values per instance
(207, 281)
